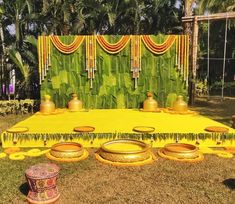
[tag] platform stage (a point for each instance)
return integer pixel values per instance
(46, 130)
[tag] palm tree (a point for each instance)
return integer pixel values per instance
(16, 12)
(214, 6)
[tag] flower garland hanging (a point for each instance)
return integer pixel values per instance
(135, 57)
(113, 48)
(158, 48)
(91, 57)
(182, 60)
(67, 49)
(43, 56)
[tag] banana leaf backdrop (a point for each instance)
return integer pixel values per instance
(113, 86)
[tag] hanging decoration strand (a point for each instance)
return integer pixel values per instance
(91, 57)
(135, 57)
(187, 59)
(67, 49)
(158, 48)
(113, 48)
(44, 53)
(39, 58)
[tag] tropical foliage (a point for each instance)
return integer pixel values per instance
(20, 19)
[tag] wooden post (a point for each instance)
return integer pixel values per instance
(193, 62)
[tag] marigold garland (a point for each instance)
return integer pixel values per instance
(158, 48)
(113, 48)
(43, 56)
(2, 155)
(181, 47)
(135, 57)
(67, 49)
(91, 57)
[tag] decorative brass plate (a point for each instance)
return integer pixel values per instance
(158, 110)
(181, 150)
(217, 129)
(17, 129)
(143, 129)
(67, 150)
(125, 150)
(84, 129)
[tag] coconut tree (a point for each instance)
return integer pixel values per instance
(214, 6)
(16, 12)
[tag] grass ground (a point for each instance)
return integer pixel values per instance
(164, 181)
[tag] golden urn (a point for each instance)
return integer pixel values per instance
(150, 104)
(180, 105)
(47, 106)
(75, 104)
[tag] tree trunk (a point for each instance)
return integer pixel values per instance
(2, 59)
(188, 11)
(17, 28)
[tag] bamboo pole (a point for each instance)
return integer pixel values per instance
(193, 65)
(194, 62)
(216, 16)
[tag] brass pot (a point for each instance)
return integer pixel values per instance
(47, 106)
(67, 150)
(139, 151)
(180, 105)
(75, 104)
(181, 151)
(150, 104)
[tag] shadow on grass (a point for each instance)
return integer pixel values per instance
(230, 183)
(24, 188)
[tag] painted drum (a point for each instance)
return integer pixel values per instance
(42, 182)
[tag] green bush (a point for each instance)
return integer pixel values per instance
(18, 107)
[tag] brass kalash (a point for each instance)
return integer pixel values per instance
(47, 106)
(150, 104)
(180, 105)
(75, 104)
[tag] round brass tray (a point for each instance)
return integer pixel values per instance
(143, 129)
(171, 111)
(17, 129)
(72, 159)
(84, 129)
(125, 150)
(181, 151)
(67, 150)
(217, 129)
(158, 110)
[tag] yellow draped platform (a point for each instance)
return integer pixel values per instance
(46, 130)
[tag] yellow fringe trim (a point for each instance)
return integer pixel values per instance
(150, 160)
(197, 159)
(75, 159)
